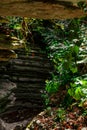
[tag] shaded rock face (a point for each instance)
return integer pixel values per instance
(5, 87)
(6, 95)
(21, 86)
(2, 125)
(28, 73)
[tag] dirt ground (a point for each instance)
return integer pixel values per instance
(40, 9)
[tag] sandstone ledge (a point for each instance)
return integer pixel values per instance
(39, 9)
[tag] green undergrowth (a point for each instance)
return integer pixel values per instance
(66, 48)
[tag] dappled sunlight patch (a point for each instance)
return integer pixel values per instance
(6, 55)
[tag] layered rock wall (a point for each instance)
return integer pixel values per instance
(29, 73)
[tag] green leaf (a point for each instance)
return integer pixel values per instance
(78, 93)
(73, 69)
(17, 26)
(76, 49)
(71, 92)
(84, 82)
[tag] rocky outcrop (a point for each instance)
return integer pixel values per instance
(43, 9)
(2, 125)
(6, 94)
(29, 73)
(23, 83)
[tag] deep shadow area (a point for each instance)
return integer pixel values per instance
(66, 4)
(19, 114)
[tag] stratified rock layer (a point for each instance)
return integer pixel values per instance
(29, 73)
(43, 9)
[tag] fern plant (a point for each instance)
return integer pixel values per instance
(64, 50)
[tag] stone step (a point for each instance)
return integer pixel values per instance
(31, 52)
(28, 69)
(27, 79)
(28, 95)
(30, 74)
(24, 62)
(34, 58)
(30, 85)
(21, 105)
(28, 90)
(9, 74)
(31, 97)
(31, 49)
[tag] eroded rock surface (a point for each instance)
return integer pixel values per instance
(44, 9)
(5, 87)
(29, 73)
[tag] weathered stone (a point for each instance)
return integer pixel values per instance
(6, 87)
(29, 73)
(6, 55)
(2, 125)
(6, 95)
(44, 9)
(18, 127)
